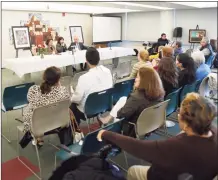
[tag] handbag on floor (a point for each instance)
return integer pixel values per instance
(26, 139)
(78, 134)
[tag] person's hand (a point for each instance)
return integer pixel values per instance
(99, 136)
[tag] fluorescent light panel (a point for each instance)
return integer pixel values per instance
(141, 5)
(58, 7)
(197, 4)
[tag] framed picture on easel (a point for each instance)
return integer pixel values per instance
(76, 31)
(21, 37)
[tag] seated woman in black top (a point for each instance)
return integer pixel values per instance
(168, 73)
(61, 46)
(187, 69)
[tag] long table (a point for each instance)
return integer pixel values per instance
(26, 65)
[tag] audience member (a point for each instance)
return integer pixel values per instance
(163, 40)
(80, 46)
(206, 47)
(168, 73)
(50, 47)
(148, 91)
(192, 151)
(98, 78)
(178, 48)
(202, 69)
(61, 46)
(143, 57)
(157, 55)
(166, 51)
(50, 91)
(187, 69)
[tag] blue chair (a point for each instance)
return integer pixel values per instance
(188, 89)
(209, 60)
(90, 144)
(173, 103)
(123, 88)
(15, 97)
(98, 102)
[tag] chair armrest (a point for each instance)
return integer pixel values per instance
(65, 148)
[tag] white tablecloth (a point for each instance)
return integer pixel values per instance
(25, 65)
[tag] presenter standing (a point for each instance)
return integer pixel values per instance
(79, 46)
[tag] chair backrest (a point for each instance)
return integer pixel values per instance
(123, 88)
(16, 96)
(152, 118)
(50, 117)
(210, 60)
(123, 69)
(92, 145)
(188, 89)
(65, 81)
(98, 102)
(174, 101)
(76, 78)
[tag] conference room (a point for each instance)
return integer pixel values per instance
(109, 90)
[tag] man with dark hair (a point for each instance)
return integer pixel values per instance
(178, 48)
(163, 40)
(98, 78)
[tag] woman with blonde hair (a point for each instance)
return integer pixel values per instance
(192, 151)
(143, 57)
(148, 91)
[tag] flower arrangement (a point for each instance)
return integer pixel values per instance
(41, 50)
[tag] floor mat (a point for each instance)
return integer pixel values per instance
(15, 170)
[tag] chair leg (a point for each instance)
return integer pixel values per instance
(9, 130)
(18, 157)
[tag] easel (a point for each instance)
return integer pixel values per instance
(193, 44)
(17, 50)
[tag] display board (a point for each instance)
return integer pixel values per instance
(196, 35)
(76, 31)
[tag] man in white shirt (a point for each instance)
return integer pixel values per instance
(98, 78)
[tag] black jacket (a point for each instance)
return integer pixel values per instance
(168, 87)
(85, 168)
(81, 46)
(162, 42)
(135, 104)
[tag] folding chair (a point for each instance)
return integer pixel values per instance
(123, 88)
(76, 78)
(45, 119)
(14, 98)
(90, 145)
(123, 69)
(188, 89)
(65, 81)
(96, 103)
(151, 119)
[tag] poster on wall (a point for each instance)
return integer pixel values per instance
(21, 37)
(76, 31)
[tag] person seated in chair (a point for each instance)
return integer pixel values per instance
(193, 151)
(148, 91)
(98, 78)
(202, 69)
(50, 91)
(80, 46)
(61, 46)
(143, 57)
(178, 48)
(162, 41)
(206, 47)
(50, 49)
(187, 73)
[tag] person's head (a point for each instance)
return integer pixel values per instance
(204, 41)
(178, 44)
(51, 78)
(149, 81)
(167, 51)
(198, 57)
(168, 71)
(49, 42)
(92, 57)
(143, 55)
(76, 39)
(163, 36)
(184, 61)
(196, 114)
(60, 40)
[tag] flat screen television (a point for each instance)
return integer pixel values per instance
(196, 35)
